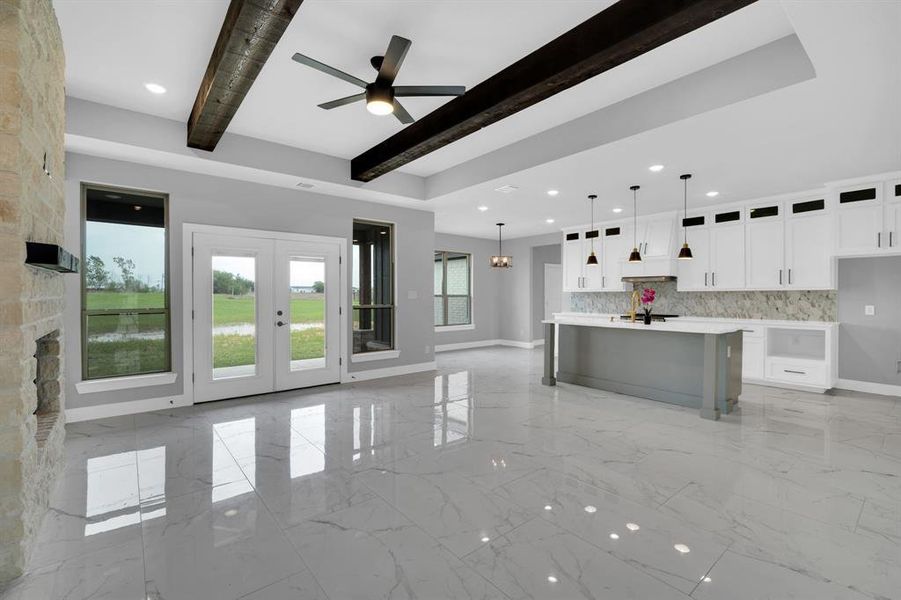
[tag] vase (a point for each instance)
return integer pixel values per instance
(647, 318)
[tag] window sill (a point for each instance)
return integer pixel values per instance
(440, 328)
(93, 386)
(370, 356)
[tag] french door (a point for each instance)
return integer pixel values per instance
(266, 313)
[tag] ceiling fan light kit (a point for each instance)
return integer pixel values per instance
(381, 95)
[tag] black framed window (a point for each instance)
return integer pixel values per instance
(453, 288)
(373, 286)
(124, 293)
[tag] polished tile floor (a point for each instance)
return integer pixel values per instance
(477, 482)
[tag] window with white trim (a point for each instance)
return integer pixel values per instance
(453, 288)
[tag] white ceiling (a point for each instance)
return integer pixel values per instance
(843, 123)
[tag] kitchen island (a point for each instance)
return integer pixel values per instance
(691, 364)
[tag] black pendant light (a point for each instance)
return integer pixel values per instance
(635, 255)
(685, 252)
(592, 258)
(500, 261)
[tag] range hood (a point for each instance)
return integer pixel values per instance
(649, 278)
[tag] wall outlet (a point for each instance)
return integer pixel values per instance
(869, 310)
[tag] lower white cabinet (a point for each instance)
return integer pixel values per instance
(752, 355)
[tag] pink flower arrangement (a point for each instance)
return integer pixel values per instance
(648, 295)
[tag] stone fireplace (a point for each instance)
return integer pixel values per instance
(32, 115)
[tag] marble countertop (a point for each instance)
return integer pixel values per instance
(674, 326)
(723, 321)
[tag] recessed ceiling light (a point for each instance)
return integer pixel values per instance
(591, 509)
(682, 548)
(552, 579)
(483, 208)
(706, 579)
(486, 539)
(712, 194)
(617, 210)
(614, 536)
(655, 168)
(548, 507)
(548, 221)
(632, 526)
(553, 192)
(155, 88)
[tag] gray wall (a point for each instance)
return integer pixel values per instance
(212, 200)
(541, 255)
(485, 285)
(870, 346)
(516, 287)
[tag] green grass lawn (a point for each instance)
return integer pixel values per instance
(110, 358)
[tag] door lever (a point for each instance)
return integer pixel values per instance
(279, 323)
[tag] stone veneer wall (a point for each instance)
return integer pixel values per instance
(799, 305)
(32, 124)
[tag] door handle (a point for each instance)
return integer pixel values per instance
(278, 312)
(279, 323)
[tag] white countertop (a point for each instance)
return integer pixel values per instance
(717, 320)
(674, 326)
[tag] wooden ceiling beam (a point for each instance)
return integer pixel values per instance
(248, 36)
(616, 35)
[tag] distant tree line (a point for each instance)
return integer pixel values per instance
(229, 283)
(99, 277)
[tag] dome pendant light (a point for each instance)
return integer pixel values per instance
(592, 258)
(500, 261)
(635, 255)
(685, 252)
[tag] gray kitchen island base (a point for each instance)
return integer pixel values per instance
(695, 369)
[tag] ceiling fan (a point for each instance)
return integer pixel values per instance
(381, 95)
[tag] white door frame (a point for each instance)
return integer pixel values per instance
(187, 296)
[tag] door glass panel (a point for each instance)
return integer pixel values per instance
(307, 312)
(234, 316)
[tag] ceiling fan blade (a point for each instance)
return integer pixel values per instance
(394, 58)
(429, 90)
(319, 66)
(343, 101)
(401, 113)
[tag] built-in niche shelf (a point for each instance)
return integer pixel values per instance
(802, 344)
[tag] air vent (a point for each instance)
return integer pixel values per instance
(506, 189)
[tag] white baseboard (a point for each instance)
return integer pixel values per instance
(117, 409)
(465, 345)
(485, 343)
(884, 389)
(389, 372)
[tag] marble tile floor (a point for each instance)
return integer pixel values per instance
(475, 481)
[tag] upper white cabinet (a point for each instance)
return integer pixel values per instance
(572, 261)
(609, 247)
(657, 237)
(694, 274)
(727, 251)
(765, 247)
(654, 239)
(616, 246)
(892, 219)
(808, 245)
(860, 216)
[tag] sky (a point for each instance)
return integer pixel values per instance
(145, 246)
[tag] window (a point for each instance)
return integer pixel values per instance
(373, 287)
(453, 289)
(124, 283)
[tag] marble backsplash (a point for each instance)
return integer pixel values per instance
(796, 305)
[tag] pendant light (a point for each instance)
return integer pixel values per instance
(685, 252)
(635, 255)
(592, 258)
(500, 261)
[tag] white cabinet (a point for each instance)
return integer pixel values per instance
(616, 247)
(893, 215)
(808, 247)
(592, 275)
(694, 274)
(727, 256)
(572, 261)
(764, 248)
(753, 352)
(860, 214)
(657, 238)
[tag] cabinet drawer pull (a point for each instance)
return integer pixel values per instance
(713, 279)
(795, 372)
(705, 279)
(789, 277)
(780, 276)
(891, 242)
(879, 240)
(748, 330)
